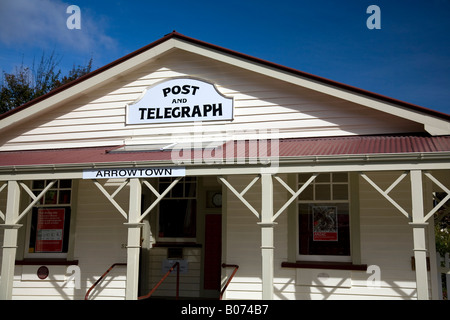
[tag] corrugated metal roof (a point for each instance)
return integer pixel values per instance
(358, 145)
(363, 145)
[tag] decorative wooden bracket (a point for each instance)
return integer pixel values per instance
(110, 197)
(443, 201)
(241, 194)
(2, 215)
(35, 198)
(159, 196)
(384, 193)
(294, 194)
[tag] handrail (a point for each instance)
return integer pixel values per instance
(236, 267)
(86, 297)
(176, 265)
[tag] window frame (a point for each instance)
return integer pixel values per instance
(43, 205)
(319, 202)
(168, 197)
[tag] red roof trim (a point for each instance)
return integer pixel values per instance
(269, 64)
(296, 147)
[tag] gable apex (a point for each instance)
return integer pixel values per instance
(436, 123)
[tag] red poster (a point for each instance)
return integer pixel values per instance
(325, 223)
(50, 228)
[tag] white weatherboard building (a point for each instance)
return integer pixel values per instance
(187, 152)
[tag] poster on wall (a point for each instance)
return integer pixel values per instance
(50, 229)
(325, 226)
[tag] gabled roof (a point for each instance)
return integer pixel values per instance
(435, 122)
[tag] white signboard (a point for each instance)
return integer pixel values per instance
(134, 173)
(168, 263)
(180, 100)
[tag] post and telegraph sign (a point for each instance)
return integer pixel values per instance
(174, 100)
(180, 100)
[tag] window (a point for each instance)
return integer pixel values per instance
(323, 218)
(48, 235)
(178, 210)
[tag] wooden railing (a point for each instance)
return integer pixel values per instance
(86, 297)
(224, 265)
(177, 266)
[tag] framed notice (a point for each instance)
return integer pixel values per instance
(50, 230)
(325, 224)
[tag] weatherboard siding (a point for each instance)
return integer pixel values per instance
(385, 241)
(99, 236)
(260, 102)
(3, 197)
(189, 283)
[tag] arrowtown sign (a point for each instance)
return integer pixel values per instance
(180, 100)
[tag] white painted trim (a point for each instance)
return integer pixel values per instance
(111, 197)
(419, 234)
(294, 194)
(336, 164)
(432, 124)
(159, 196)
(35, 198)
(10, 240)
(384, 193)
(240, 195)
(2, 215)
(443, 201)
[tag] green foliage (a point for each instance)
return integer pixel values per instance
(442, 226)
(26, 84)
(442, 239)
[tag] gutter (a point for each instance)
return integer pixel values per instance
(250, 163)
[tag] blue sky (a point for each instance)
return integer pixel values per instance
(407, 59)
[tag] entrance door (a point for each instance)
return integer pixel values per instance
(213, 251)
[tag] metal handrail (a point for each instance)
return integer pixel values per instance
(86, 297)
(176, 265)
(224, 265)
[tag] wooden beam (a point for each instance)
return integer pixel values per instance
(2, 215)
(111, 197)
(240, 196)
(419, 235)
(159, 196)
(267, 242)
(35, 198)
(443, 201)
(10, 241)
(385, 193)
(294, 194)
(134, 239)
